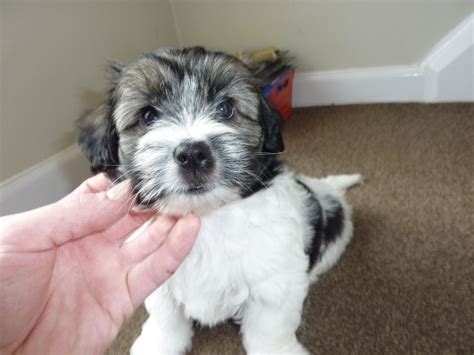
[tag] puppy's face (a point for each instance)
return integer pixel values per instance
(190, 129)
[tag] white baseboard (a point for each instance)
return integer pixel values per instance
(445, 75)
(44, 183)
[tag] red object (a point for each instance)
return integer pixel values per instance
(279, 93)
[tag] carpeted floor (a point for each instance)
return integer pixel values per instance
(406, 283)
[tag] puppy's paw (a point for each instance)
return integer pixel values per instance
(153, 341)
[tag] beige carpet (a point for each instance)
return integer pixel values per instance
(405, 284)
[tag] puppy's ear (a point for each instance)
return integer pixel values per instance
(271, 123)
(98, 140)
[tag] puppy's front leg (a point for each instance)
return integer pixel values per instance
(272, 316)
(167, 331)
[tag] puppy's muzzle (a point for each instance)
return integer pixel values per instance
(195, 160)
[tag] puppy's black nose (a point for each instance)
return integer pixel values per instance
(196, 156)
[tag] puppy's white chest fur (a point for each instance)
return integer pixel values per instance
(253, 262)
(241, 246)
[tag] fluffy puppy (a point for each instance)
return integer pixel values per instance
(192, 131)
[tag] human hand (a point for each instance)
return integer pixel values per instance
(67, 279)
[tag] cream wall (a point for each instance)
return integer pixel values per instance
(53, 56)
(323, 34)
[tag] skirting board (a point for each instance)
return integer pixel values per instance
(44, 183)
(445, 75)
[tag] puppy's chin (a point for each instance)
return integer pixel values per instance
(195, 201)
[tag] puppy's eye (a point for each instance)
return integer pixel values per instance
(148, 116)
(225, 109)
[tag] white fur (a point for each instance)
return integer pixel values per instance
(248, 263)
(156, 147)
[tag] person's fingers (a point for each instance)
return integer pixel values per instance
(80, 213)
(120, 230)
(84, 213)
(145, 277)
(96, 183)
(148, 240)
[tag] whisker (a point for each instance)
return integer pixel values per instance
(118, 178)
(268, 153)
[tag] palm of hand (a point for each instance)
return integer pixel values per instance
(68, 284)
(96, 271)
(83, 293)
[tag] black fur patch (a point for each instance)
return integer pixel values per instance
(327, 224)
(98, 140)
(315, 214)
(172, 65)
(334, 222)
(270, 121)
(266, 171)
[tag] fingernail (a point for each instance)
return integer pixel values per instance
(138, 209)
(119, 191)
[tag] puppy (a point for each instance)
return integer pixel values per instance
(193, 132)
